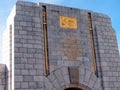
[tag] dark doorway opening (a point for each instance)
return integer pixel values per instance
(72, 89)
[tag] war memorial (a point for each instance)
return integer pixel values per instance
(50, 47)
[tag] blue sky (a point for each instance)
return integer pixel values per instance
(109, 7)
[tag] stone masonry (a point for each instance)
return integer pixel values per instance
(3, 77)
(49, 47)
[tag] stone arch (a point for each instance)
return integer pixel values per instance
(73, 88)
(79, 87)
(59, 80)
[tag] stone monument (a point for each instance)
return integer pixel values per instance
(50, 47)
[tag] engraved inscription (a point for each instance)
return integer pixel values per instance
(70, 48)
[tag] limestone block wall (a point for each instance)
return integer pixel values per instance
(28, 47)
(67, 48)
(106, 52)
(3, 77)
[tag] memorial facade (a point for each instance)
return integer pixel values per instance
(50, 47)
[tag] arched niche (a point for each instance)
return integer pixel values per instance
(72, 88)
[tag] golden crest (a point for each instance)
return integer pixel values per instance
(68, 22)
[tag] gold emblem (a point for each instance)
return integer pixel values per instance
(68, 22)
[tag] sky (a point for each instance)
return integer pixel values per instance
(109, 7)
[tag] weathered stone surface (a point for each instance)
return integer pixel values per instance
(68, 46)
(3, 77)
